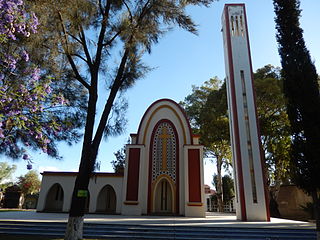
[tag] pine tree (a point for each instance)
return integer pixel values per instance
(83, 39)
(301, 89)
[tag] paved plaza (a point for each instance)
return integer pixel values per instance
(211, 220)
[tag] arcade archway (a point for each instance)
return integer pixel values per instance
(107, 200)
(54, 199)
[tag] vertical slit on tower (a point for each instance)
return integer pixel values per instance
(241, 26)
(237, 26)
(232, 26)
(249, 145)
(233, 141)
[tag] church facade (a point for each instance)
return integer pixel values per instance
(163, 172)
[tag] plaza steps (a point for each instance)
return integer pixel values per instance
(120, 231)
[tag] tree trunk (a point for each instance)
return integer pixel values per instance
(277, 186)
(219, 185)
(74, 228)
(316, 209)
(90, 149)
(273, 205)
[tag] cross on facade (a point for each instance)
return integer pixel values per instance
(164, 136)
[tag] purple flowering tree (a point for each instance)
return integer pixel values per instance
(34, 111)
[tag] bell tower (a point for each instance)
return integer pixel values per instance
(251, 193)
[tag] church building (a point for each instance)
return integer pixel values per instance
(164, 167)
(163, 172)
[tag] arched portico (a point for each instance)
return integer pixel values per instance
(107, 200)
(54, 199)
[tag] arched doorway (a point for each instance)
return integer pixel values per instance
(107, 200)
(163, 198)
(163, 193)
(54, 200)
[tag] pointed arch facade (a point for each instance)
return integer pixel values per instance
(161, 147)
(164, 165)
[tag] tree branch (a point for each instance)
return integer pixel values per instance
(113, 92)
(101, 37)
(72, 63)
(129, 11)
(85, 46)
(77, 74)
(144, 11)
(75, 38)
(79, 56)
(109, 42)
(66, 48)
(100, 7)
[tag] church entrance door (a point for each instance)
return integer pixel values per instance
(163, 197)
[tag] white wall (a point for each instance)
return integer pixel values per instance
(67, 183)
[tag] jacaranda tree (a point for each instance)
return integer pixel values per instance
(34, 111)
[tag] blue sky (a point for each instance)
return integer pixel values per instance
(182, 60)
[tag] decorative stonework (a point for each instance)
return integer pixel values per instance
(164, 149)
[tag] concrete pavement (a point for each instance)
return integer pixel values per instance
(212, 220)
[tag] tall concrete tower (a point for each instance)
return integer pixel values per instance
(251, 193)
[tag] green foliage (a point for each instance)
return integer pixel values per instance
(193, 103)
(301, 89)
(36, 110)
(302, 92)
(81, 40)
(206, 108)
(214, 130)
(119, 164)
(101, 43)
(274, 122)
(29, 183)
(227, 187)
(6, 171)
